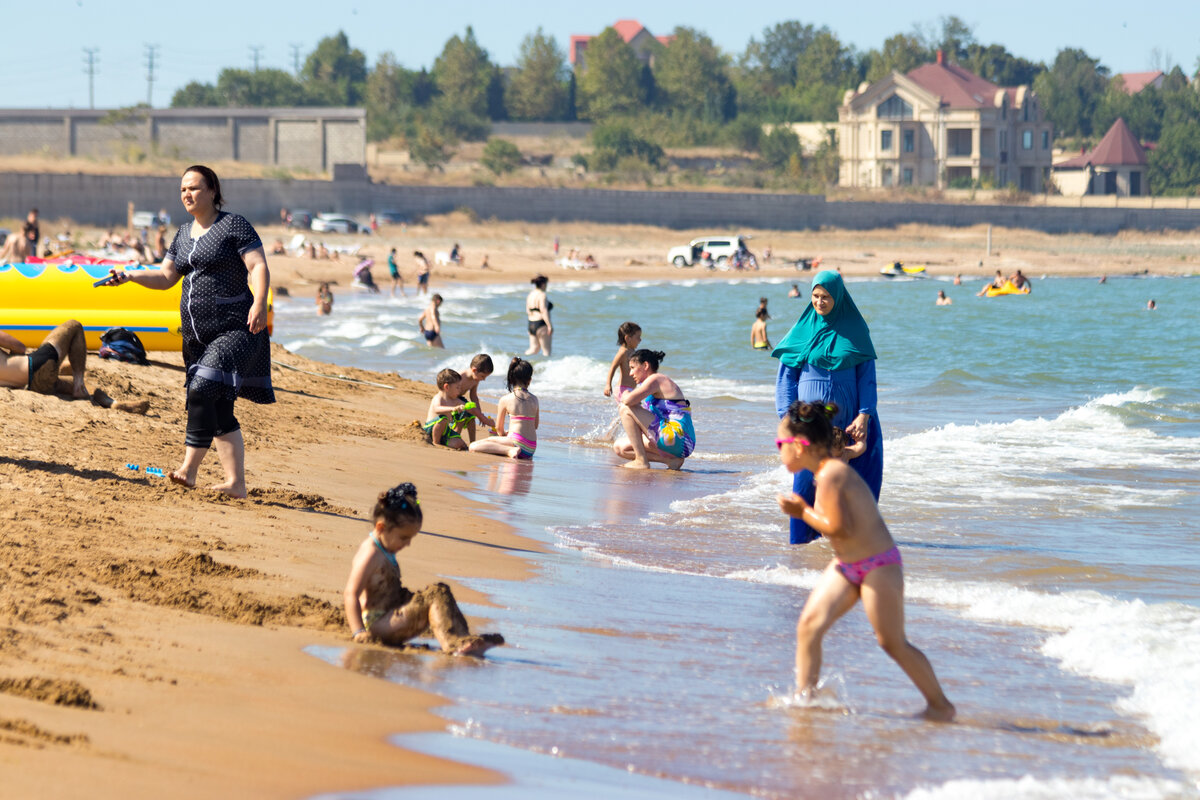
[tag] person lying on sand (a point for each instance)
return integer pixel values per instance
(38, 371)
(377, 604)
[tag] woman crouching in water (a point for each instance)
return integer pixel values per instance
(655, 416)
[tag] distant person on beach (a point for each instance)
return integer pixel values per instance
(537, 311)
(866, 564)
(32, 231)
(226, 349)
(1019, 280)
(160, 244)
(997, 282)
(794, 291)
(15, 250)
(394, 271)
(422, 272)
(448, 413)
(455, 254)
(942, 300)
(629, 336)
(430, 322)
(1103, 279)
(517, 417)
(758, 331)
(477, 372)
(37, 371)
(660, 428)
(377, 605)
(828, 357)
(958, 280)
(1151, 306)
(324, 300)
(484, 264)
(363, 276)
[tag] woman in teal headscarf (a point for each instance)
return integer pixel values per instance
(827, 357)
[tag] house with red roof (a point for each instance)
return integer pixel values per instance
(942, 125)
(1134, 82)
(635, 35)
(1117, 165)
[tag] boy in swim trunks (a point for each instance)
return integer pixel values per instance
(376, 603)
(448, 413)
(430, 322)
(867, 563)
(481, 367)
(758, 331)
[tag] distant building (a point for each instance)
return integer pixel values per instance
(1134, 82)
(635, 35)
(942, 126)
(1117, 165)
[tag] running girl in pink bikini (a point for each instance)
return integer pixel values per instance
(517, 417)
(867, 563)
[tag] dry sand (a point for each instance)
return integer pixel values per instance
(151, 637)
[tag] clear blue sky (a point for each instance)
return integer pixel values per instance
(45, 41)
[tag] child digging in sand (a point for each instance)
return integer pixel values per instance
(377, 604)
(867, 564)
(448, 412)
(519, 439)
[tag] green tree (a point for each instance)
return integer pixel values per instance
(1175, 163)
(538, 89)
(393, 94)
(1071, 90)
(950, 35)
(615, 141)
(609, 83)
(824, 71)
(1143, 112)
(996, 64)
(195, 95)
(258, 88)
(429, 147)
(462, 74)
(901, 53)
(335, 74)
(501, 156)
(765, 76)
(778, 147)
(691, 75)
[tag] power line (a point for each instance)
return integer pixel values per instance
(295, 48)
(91, 60)
(255, 51)
(151, 52)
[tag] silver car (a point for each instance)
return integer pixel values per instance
(334, 223)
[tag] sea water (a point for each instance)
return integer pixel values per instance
(1040, 478)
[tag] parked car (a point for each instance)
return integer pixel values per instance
(391, 218)
(719, 249)
(145, 219)
(334, 223)
(300, 219)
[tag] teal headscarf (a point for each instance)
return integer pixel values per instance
(836, 341)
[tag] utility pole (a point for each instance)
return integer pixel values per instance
(91, 61)
(151, 52)
(255, 51)
(295, 48)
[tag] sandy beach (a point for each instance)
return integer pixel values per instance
(151, 637)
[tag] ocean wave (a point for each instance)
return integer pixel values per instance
(1116, 787)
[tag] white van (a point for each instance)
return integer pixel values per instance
(719, 248)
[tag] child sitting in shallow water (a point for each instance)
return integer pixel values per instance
(867, 563)
(517, 417)
(377, 604)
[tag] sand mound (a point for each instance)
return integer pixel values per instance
(50, 690)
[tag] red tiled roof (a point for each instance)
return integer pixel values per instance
(627, 29)
(957, 87)
(1119, 147)
(1134, 82)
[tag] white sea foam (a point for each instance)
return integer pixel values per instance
(1116, 787)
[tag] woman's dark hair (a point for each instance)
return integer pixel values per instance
(540, 281)
(398, 506)
(626, 330)
(652, 358)
(520, 373)
(812, 421)
(211, 181)
(762, 313)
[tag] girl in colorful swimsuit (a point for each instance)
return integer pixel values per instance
(656, 418)
(629, 336)
(866, 565)
(379, 608)
(520, 408)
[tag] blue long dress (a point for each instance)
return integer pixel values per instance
(853, 391)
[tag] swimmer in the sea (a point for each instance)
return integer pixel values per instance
(758, 331)
(377, 605)
(430, 322)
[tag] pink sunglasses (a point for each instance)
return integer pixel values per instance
(779, 443)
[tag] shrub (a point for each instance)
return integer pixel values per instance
(501, 156)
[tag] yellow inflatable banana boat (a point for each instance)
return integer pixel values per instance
(1008, 288)
(35, 298)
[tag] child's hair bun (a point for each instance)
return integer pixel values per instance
(399, 496)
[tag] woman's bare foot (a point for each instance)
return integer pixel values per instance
(478, 645)
(181, 477)
(637, 463)
(232, 488)
(940, 714)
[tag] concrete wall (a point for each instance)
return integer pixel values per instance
(313, 139)
(101, 200)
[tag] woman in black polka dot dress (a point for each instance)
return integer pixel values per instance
(225, 345)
